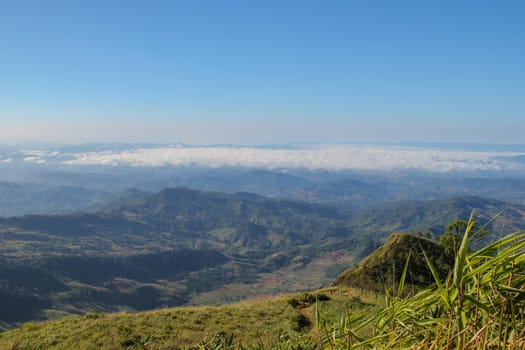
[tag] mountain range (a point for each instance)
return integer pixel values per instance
(184, 246)
(64, 191)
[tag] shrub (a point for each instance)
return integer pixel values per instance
(306, 299)
(300, 322)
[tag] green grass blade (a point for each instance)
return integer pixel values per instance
(442, 291)
(403, 277)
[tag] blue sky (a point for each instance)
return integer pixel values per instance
(262, 71)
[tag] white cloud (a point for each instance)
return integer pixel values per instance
(330, 157)
(39, 153)
(33, 159)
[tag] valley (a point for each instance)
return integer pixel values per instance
(182, 246)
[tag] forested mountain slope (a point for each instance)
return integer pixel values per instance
(182, 246)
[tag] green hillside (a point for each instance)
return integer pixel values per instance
(433, 215)
(287, 322)
(175, 247)
(383, 268)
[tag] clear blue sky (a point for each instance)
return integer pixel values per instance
(262, 71)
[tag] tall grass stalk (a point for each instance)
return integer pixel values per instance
(480, 305)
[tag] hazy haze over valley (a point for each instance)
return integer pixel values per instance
(57, 179)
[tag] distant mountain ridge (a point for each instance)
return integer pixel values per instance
(431, 216)
(20, 199)
(70, 190)
(188, 209)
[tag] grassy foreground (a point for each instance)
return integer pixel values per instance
(287, 322)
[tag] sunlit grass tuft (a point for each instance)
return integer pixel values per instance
(480, 305)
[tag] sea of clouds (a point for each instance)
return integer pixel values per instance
(326, 157)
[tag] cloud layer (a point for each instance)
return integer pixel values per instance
(338, 157)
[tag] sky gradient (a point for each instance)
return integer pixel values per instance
(256, 72)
